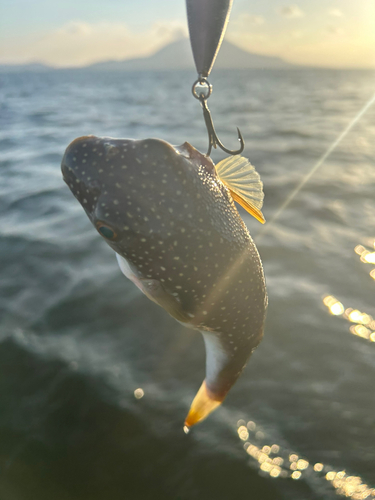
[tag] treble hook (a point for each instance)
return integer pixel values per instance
(213, 140)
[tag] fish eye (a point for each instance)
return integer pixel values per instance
(106, 231)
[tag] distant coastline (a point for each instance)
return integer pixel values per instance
(174, 56)
(178, 56)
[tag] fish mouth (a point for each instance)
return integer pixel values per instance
(77, 172)
(69, 161)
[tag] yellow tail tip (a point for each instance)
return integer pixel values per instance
(202, 405)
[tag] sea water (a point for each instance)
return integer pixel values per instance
(96, 380)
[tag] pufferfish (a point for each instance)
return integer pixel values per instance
(168, 213)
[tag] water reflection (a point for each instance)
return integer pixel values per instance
(280, 463)
(139, 393)
(367, 256)
(277, 462)
(365, 323)
(335, 307)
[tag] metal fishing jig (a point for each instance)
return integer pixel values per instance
(207, 21)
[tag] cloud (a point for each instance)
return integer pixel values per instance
(291, 11)
(252, 19)
(335, 13)
(76, 28)
(172, 30)
(78, 43)
(335, 30)
(245, 25)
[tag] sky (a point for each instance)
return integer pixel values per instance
(328, 33)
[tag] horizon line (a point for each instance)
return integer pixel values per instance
(289, 65)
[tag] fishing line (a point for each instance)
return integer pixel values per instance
(318, 164)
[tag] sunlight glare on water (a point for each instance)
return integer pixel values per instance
(139, 393)
(278, 463)
(336, 308)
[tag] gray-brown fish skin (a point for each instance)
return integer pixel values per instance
(177, 227)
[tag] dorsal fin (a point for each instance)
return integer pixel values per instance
(244, 184)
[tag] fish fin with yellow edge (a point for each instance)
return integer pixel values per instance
(244, 184)
(203, 404)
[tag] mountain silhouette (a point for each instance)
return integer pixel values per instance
(175, 55)
(178, 55)
(11, 68)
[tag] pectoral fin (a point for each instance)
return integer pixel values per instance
(155, 291)
(244, 184)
